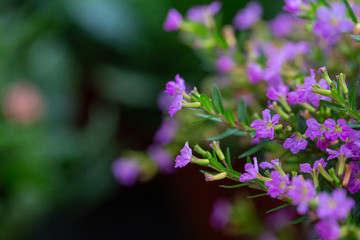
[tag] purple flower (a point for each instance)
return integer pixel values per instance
(202, 12)
(173, 20)
(252, 171)
(295, 143)
(301, 192)
(292, 5)
(306, 88)
(282, 25)
(334, 207)
(166, 131)
(224, 64)
(265, 128)
(185, 156)
(323, 143)
(341, 130)
(248, 16)
(271, 165)
(314, 98)
(306, 167)
(176, 105)
(176, 87)
(315, 129)
(254, 72)
(343, 152)
(331, 22)
(126, 171)
(328, 230)
(274, 93)
(220, 214)
(278, 184)
(354, 182)
(161, 157)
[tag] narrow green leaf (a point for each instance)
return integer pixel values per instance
(235, 186)
(228, 132)
(208, 117)
(332, 105)
(231, 173)
(254, 149)
(242, 111)
(229, 116)
(356, 37)
(204, 119)
(354, 125)
(350, 11)
(352, 95)
(248, 159)
(298, 220)
(219, 107)
(324, 2)
(259, 195)
(279, 207)
(228, 159)
(220, 40)
(206, 103)
(212, 173)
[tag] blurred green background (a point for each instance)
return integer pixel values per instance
(79, 81)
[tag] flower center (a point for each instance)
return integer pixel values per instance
(332, 204)
(298, 137)
(269, 125)
(338, 129)
(322, 128)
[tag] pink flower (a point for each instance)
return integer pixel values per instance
(185, 156)
(252, 171)
(295, 143)
(265, 128)
(173, 20)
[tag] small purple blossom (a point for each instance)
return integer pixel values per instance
(254, 72)
(274, 93)
(270, 165)
(301, 192)
(224, 64)
(315, 129)
(295, 142)
(220, 214)
(331, 22)
(173, 20)
(252, 171)
(161, 157)
(248, 16)
(328, 230)
(166, 131)
(176, 87)
(335, 206)
(340, 130)
(278, 184)
(282, 25)
(265, 128)
(343, 152)
(354, 182)
(185, 156)
(292, 5)
(126, 171)
(323, 143)
(176, 105)
(202, 12)
(306, 167)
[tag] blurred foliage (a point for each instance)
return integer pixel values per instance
(98, 66)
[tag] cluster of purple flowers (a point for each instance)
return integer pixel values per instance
(329, 208)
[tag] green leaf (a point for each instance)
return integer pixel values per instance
(352, 95)
(332, 105)
(220, 40)
(248, 159)
(228, 159)
(354, 125)
(208, 117)
(279, 207)
(211, 173)
(254, 149)
(356, 37)
(259, 195)
(242, 111)
(235, 186)
(298, 220)
(228, 132)
(219, 107)
(350, 11)
(229, 116)
(324, 2)
(231, 173)
(206, 103)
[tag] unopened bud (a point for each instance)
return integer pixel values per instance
(347, 175)
(210, 177)
(343, 83)
(216, 146)
(325, 74)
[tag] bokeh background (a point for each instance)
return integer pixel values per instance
(79, 81)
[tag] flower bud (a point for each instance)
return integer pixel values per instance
(343, 83)
(210, 177)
